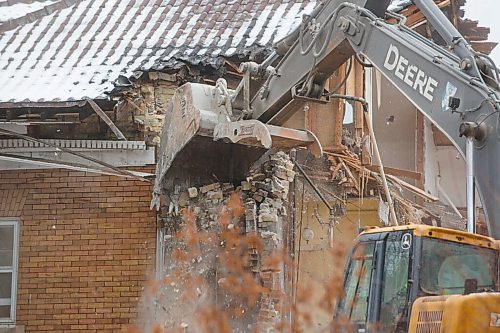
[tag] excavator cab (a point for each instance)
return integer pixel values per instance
(395, 274)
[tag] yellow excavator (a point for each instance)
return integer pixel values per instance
(420, 279)
(414, 278)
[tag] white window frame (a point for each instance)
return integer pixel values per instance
(15, 256)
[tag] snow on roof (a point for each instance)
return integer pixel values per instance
(80, 50)
(15, 11)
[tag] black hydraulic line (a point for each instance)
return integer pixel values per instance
(362, 63)
(361, 100)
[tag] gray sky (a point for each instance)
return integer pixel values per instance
(488, 14)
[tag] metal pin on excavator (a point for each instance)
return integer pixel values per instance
(399, 279)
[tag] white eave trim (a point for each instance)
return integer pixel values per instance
(23, 154)
(19, 145)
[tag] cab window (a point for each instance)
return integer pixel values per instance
(394, 298)
(448, 265)
(354, 305)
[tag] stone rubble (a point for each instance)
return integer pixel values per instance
(264, 194)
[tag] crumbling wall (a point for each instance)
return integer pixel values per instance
(257, 244)
(141, 109)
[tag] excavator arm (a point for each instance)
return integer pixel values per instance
(279, 97)
(238, 117)
(455, 87)
(444, 88)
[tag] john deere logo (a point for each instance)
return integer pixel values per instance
(410, 73)
(406, 241)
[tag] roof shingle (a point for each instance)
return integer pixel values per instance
(80, 49)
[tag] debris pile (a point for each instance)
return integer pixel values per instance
(362, 180)
(263, 196)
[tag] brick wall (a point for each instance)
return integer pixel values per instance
(87, 245)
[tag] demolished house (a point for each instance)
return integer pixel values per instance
(85, 92)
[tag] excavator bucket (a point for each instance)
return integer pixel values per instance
(200, 114)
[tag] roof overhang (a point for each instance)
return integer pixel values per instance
(48, 111)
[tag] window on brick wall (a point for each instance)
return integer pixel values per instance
(9, 239)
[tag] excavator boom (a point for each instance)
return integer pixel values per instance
(457, 91)
(455, 87)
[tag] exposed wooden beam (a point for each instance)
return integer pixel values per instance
(106, 119)
(396, 172)
(484, 47)
(413, 189)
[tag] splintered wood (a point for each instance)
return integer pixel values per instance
(347, 170)
(348, 162)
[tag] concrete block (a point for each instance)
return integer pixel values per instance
(184, 199)
(208, 188)
(269, 217)
(281, 175)
(214, 195)
(264, 207)
(193, 192)
(266, 185)
(258, 177)
(258, 197)
(227, 187)
(246, 186)
(262, 193)
(278, 204)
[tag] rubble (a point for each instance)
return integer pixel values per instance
(193, 192)
(263, 193)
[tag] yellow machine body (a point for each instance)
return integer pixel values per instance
(422, 279)
(472, 313)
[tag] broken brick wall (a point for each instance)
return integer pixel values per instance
(265, 214)
(141, 110)
(87, 244)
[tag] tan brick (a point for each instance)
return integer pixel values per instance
(83, 268)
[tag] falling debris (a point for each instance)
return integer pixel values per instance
(211, 212)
